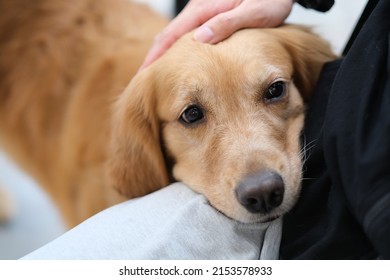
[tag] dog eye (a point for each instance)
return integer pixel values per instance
(275, 91)
(191, 115)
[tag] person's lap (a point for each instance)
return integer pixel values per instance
(173, 223)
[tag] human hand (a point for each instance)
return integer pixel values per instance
(217, 20)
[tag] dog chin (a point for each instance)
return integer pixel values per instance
(259, 218)
(245, 217)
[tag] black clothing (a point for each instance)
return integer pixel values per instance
(319, 5)
(344, 209)
(180, 4)
(366, 13)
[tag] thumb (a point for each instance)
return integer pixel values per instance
(220, 27)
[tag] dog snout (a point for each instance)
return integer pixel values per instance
(260, 192)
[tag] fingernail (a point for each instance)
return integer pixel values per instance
(203, 34)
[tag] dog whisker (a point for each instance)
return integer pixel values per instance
(306, 150)
(303, 179)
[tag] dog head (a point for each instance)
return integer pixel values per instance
(225, 119)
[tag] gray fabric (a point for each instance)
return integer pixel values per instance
(172, 223)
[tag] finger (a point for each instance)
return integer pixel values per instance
(157, 49)
(187, 20)
(162, 42)
(193, 15)
(220, 27)
(247, 15)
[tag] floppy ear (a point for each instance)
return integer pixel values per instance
(136, 163)
(309, 53)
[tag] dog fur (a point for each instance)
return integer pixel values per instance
(70, 117)
(6, 207)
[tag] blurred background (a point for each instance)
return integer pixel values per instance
(35, 220)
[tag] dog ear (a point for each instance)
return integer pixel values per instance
(136, 164)
(309, 53)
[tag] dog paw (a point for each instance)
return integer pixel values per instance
(6, 207)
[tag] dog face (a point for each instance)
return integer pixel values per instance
(226, 118)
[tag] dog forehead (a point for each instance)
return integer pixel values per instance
(247, 52)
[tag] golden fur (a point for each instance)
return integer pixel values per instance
(6, 207)
(67, 117)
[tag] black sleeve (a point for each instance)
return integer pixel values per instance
(179, 6)
(344, 208)
(319, 5)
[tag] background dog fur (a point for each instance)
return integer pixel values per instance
(57, 55)
(6, 207)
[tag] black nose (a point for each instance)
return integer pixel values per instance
(260, 192)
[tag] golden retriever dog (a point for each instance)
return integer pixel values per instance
(225, 119)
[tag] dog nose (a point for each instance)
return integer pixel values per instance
(260, 192)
